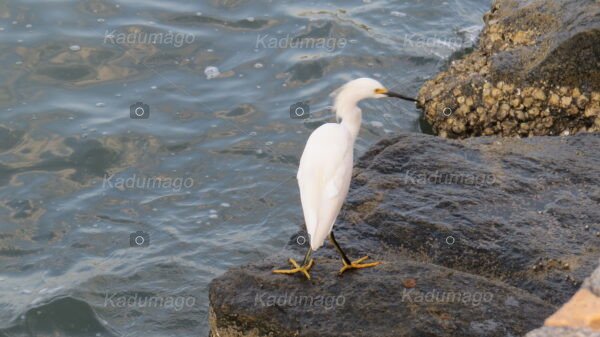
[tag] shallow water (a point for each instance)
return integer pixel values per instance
(209, 176)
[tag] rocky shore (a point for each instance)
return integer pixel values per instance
(535, 71)
(478, 237)
(482, 237)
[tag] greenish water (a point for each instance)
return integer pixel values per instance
(209, 176)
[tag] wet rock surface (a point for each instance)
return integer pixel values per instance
(534, 72)
(482, 237)
(372, 303)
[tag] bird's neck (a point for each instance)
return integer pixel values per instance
(351, 120)
(346, 108)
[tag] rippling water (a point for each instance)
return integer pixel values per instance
(209, 176)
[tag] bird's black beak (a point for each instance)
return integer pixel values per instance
(406, 98)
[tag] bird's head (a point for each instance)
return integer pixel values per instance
(363, 88)
(356, 90)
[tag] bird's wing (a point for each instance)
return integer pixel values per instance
(324, 178)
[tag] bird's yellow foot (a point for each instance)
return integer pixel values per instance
(357, 264)
(298, 269)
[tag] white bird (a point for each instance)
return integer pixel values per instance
(326, 169)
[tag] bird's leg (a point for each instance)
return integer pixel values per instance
(345, 259)
(307, 258)
(304, 269)
(347, 263)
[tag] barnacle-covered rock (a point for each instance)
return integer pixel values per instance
(539, 55)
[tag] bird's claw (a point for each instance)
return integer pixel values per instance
(297, 268)
(358, 265)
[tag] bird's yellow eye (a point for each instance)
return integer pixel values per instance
(380, 91)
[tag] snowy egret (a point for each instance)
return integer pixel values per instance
(326, 169)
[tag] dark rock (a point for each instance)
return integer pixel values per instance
(573, 314)
(534, 72)
(485, 216)
(65, 316)
(252, 302)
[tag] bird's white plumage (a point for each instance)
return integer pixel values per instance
(326, 164)
(324, 178)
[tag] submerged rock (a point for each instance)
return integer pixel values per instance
(483, 237)
(535, 72)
